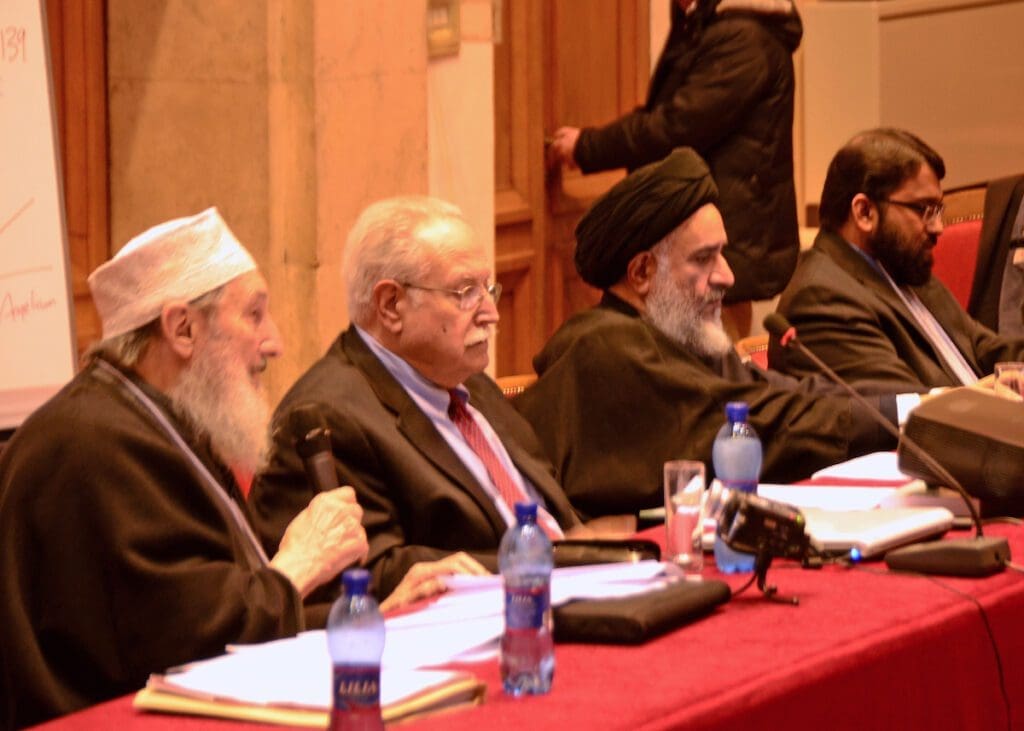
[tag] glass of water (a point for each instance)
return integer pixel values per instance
(684, 491)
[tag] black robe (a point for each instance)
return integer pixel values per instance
(114, 560)
(616, 399)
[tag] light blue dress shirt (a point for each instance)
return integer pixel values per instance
(433, 402)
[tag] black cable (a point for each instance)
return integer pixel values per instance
(779, 326)
(984, 618)
(992, 641)
(746, 586)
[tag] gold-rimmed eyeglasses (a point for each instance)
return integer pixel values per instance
(928, 212)
(469, 297)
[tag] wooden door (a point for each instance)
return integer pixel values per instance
(78, 62)
(558, 62)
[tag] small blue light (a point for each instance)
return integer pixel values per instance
(855, 555)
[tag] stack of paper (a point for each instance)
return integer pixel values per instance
(288, 681)
(234, 686)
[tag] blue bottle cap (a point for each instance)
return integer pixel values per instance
(355, 581)
(526, 513)
(736, 411)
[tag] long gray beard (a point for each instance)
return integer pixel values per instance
(216, 396)
(676, 313)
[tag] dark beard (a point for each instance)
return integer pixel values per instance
(906, 263)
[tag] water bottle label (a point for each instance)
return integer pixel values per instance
(525, 606)
(356, 687)
(741, 485)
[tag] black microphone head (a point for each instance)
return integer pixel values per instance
(776, 324)
(308, 428)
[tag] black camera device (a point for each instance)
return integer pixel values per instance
(766, 528)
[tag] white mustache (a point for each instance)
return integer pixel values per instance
(479, 335)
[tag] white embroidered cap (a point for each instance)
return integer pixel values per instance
(178, 260)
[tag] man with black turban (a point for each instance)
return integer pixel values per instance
(644, 377)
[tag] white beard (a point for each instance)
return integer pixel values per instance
(216, 395)
(677, 313)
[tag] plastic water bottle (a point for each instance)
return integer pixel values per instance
(527, 649)
(736, 456)
(355, 641)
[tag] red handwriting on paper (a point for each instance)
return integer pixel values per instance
(12, 44)
(20, 310)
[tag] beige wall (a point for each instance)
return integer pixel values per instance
(460, 123)
(290, 117)
(949, 70)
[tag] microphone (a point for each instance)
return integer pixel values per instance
(313, 443)
(978, 556)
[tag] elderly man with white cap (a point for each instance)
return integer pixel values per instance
(125, 546)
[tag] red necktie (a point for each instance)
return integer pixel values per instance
(509, 490)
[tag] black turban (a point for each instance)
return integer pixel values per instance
(638, 212)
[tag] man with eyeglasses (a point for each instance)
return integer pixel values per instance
(434, 451)
(863, 298)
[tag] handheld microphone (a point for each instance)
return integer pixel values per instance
(313, 443)
(979, 556)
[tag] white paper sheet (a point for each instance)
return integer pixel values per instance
(464, 622)
(289, 673)
(828, 498)
(874, 466)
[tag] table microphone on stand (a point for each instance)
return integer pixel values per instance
(978, 556)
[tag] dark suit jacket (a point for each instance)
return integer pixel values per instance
(420, 501)
(1002, 200)
(849, 316)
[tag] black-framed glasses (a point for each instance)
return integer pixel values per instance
(469, 297)
(927, 211)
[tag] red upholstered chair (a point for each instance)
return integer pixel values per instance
(512, 386)
(956, 255)
(753, 348)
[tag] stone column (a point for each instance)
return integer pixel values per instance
(289, 115)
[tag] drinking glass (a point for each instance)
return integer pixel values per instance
(684, 493)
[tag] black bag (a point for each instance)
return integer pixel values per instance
(635, 619)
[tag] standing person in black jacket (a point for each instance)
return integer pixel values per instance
(723, 86)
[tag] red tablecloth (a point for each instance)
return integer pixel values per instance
(865, 649)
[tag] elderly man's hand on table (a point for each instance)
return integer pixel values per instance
(426, 579)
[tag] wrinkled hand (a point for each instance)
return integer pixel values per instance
(937, 391)
(563, 144)
(322, 540)
(426, 578)
(990, 384)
